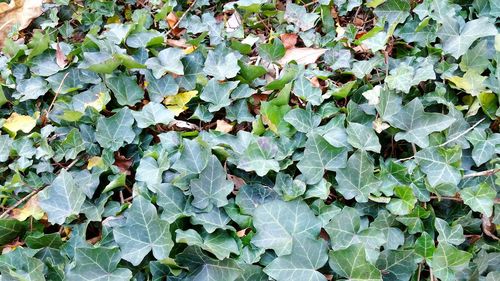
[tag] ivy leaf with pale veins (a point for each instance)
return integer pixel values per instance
(351, 263)
(98, 264)
(221, 63)
(63, 198)
(152, 114)
(440, 164)
(217, 94)
(308, 255)
(168, 60)
(362, 137)
(397, 265)
(303, 120)
(125, 89)
(144, 231)
(304, 89)
(405, 202)
(447, 261)
(418, 124)
(203, 267)
(194, 157)
(115, 131)
(480, 198)
(278, 222)
(259, 157)
(484, 145)
(357, 178)
(451, 235)
(321, 156)
(31, 89)
(457, 38)
(211, 187)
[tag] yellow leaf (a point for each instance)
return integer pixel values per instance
(99, 103)
(17, 122)
(177, 103)
(189, 50)
(30, 209)
(471, 82)
(95, 161)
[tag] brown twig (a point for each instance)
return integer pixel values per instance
(56, 95)
(486, 173)
(180, 19)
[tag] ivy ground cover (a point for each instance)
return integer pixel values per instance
(249, 140)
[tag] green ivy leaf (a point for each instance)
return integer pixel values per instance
(144, 232)
(341, 262)
(447, 261)
(357, 179)
(98, 264)
(115, 131)
(167, 60)
(125, 89)
(480, 198)
(62, 198)
(221, 63)
(152, 114)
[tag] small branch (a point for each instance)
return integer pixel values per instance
(24, 199)
(56, 95)
(180, 19)
(31, 194)
(486, 173)
(463, 133)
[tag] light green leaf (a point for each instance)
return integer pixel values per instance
(259, 157)
(125, 89)
(115, 131)
(440, 164)
(345, 229)
(31, 89)
(395, 11)
(98, 264)
(404, 76)
(221, 63)
(217, 94)
(351, 263)
(357, 179)
(194, 157)
(484, 145)
(362, 137)
(480, 198)
(167, 60)
(211, 187)
(271, 52)
(321, 156)
(308, 254)
(451, 235)
(298, 15)
(220, 243)
(304, 89)
(457, 38)
(63, 198)
(278, 222)
(152, 114)
(405, 202)
(143, 232)
(424, 246)
(303, 120)
(418, 124)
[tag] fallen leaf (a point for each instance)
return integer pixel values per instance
(177, 103)
(172, 21)
(123, 163)
(17, 13)
(289, 40)
(373, 95)
(60, 57)
(379, 125)
(302, 55)
(223, 126)
(11, 246)
(233, 23)
(30, 209)
(17, 122)
(95, 161)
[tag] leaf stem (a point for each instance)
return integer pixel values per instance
(463, 133)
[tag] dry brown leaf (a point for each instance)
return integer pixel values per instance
(223, 126)
(289, 40)
(60, 57)
(123, 163)
(30, 209)
(302, 55)
(172, 20)
(18, 13)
